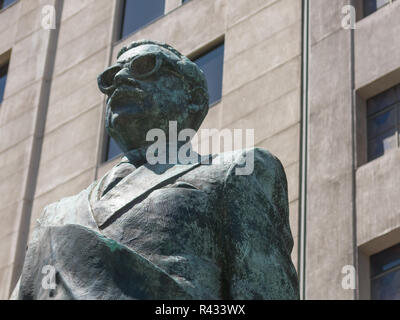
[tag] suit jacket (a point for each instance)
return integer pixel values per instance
(193, 231)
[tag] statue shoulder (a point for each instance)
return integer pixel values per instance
(61, 211)
(250, 162)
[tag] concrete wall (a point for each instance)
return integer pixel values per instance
(261, 90)
(352, 205)
(21, 123)
(377, 61)
(329, 194)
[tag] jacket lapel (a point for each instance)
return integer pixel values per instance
(139, 183)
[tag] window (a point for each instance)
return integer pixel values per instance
(138, 13)
(212, 64)
(112, 149)
(3, 79)
(370, 6)
(385, 274)
(383, 122)
(6, 3)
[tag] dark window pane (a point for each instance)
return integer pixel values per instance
(378, 146)
(381, 101)
(138, 13)
(212, 64)
(3, 79)
(381, 123)
(6, 3)
(398, 92)
(398, 115)
(385, 274)
(113, 149)
(386, 287)
(385, 260)
(370, 6)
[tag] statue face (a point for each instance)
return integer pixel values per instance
(144, 91)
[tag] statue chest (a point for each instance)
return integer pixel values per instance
(171, 221)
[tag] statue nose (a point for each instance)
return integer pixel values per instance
(105, 80)
(114, 77)
(124, 77)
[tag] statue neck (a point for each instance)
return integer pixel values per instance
(137, 157)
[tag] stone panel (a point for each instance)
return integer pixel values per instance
(79, 49)
(267, 55)
(74, 79)
(241, 9)
(80, 24)
(272, 118)
(69, 165)
(20, 103)
(276, 83)
(261, 26)
(17, 130)
(285, 144)
(70, 134)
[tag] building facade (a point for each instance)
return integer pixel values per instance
(320, 95)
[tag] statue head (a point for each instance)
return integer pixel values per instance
(150, 85)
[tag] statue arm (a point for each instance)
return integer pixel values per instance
(258, 239)
(88, 265)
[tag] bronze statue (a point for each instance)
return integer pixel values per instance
(194, 230)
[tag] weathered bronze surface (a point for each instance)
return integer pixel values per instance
(165, 231)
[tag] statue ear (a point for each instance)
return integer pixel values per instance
(199, 100)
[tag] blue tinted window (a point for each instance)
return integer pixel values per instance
(382, 100)
(113, 149)
(385, 274)
(3, 79)
(6, 3)
(383, 122)
(370, 6)
(212, 64)
(138, 13)
(381, 144)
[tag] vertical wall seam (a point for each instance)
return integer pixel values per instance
(354, 160)
(303, 150)
(36, 150)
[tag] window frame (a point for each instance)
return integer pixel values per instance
(360, 9)
(212, 46)
(395, 106)
(4, 66)
(381, 273)
(2, 7)
(121, 18)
